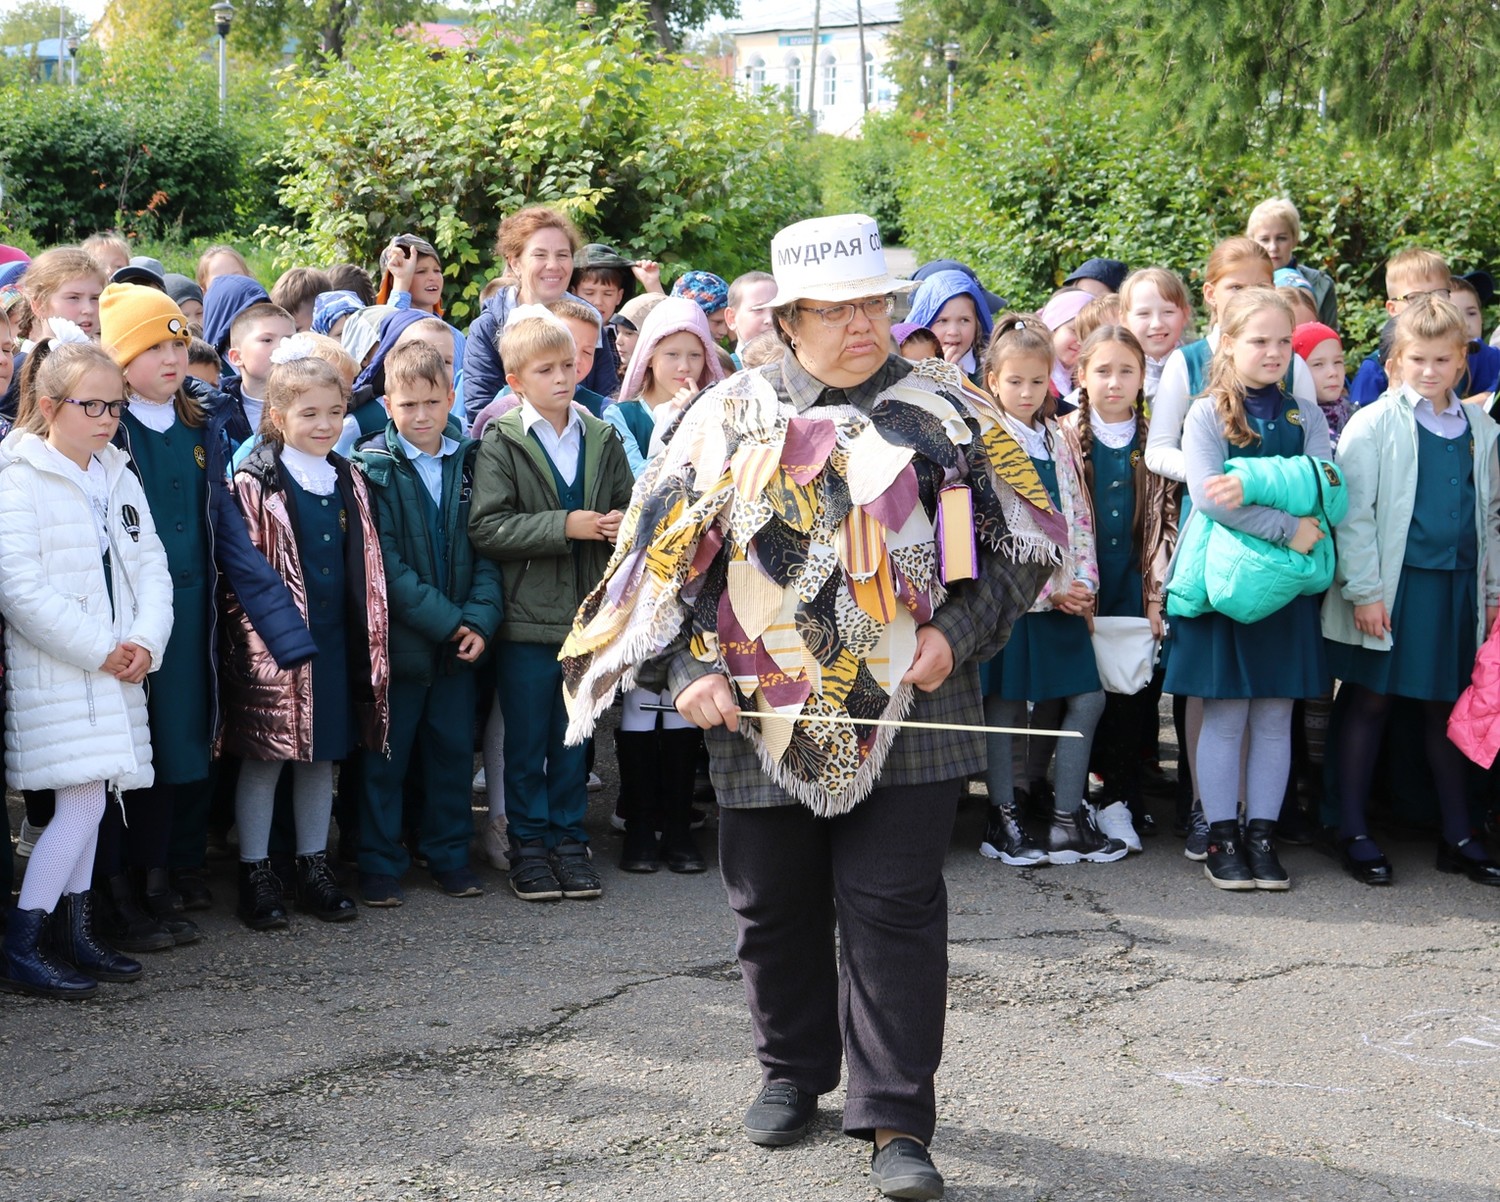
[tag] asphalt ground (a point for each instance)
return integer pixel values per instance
(1114, 1031)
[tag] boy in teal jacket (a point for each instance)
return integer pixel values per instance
(445, 604)
(550, 486)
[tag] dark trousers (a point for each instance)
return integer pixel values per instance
(437, 720)
(881, 996)
(140, 835)
(546, 782)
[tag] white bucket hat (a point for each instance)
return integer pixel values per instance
(830, 259)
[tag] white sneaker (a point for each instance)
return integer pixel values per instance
(495, 841)
(26, 844)
(480, 784)
(595, 784)
(1114, 822)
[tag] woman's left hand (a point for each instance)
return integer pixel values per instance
(933, 662)
(1225, 491)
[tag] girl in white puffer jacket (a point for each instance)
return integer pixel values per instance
(87, 601)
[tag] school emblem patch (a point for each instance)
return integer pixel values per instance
(200, 457)
(1135, 457)
(1332, 474)
(343, 520)
(1294, 416)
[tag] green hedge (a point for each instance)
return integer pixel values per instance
(1025, 181)
(77, 160)
(663, 160)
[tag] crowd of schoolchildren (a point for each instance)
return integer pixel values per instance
(274, 560)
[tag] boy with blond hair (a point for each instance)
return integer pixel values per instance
(1409, 274)
(551, 482)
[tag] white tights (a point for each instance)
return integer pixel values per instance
(63, 861)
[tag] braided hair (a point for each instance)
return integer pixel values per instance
(1101, 337)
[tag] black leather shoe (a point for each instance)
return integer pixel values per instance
(1367, 872)
(780, 1115)
(641, 852)
(1451, 859)
(679, 850)
(194, 891)
(121, 922)
(903, 1169)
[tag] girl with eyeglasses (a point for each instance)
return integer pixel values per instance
(87, 600)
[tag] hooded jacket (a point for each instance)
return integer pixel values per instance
(431, 594)
(67, 722)
(227, 297)
(632, 417)
(941, 287)
(269, 711)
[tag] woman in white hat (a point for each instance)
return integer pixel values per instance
(837, 535)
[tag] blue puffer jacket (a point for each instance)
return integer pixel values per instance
(1221, 570)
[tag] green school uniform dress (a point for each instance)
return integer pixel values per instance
(180, 693)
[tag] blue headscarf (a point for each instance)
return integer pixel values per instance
(941, 287)
(370, 383)
(328, 307)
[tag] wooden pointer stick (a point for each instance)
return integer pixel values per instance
(656, 707)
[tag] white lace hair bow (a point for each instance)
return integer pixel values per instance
(289, 350)
(64, 330)
(535, 313)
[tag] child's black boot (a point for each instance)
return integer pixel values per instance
(29, 968)
(162, 902)
(1260, 852)
(635, 753)
(676, 772)
(120, 921)
(261, 906)
(319, 894)
(74, 941)
(1227, 866)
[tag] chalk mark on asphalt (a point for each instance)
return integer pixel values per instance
(1440, 1037)
(1469, 1123)
(1207, 1078)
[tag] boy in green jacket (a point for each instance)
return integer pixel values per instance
(551, 483)
(445, 606)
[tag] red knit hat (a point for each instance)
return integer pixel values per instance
(1309, 334)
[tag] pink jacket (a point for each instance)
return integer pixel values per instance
(1474, 725)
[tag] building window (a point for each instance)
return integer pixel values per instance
(869, 77)
(757, 75)
(830, 81)
(794, 78)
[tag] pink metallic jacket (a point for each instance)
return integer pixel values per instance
(268, 712)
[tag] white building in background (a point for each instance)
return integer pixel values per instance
(773, 49)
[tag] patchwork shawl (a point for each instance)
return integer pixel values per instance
(796, 553)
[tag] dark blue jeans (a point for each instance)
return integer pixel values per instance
(546, 782)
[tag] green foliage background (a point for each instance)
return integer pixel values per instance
(1024, 182)
(663, 160)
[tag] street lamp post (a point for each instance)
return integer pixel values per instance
(73, 60)
(586, 10)
(950, 56)
(223, 12)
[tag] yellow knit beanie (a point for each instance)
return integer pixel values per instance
(134, 318)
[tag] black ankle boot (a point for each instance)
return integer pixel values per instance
(121, 923)
(188, 883)
(679, 850)
(261, 907)
(163, 904)
(75, 943)
(1226, 865)
(319, 894)
(1260, 852)
(642, 852)
(28, 965)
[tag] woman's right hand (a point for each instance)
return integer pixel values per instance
(402, 264)
(1309, 534)
(709, 702)
(1372, 619)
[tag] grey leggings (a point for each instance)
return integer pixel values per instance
(1268, 720)
(1079, 712)
(255, 798)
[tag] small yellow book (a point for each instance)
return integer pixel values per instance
(958, 552)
